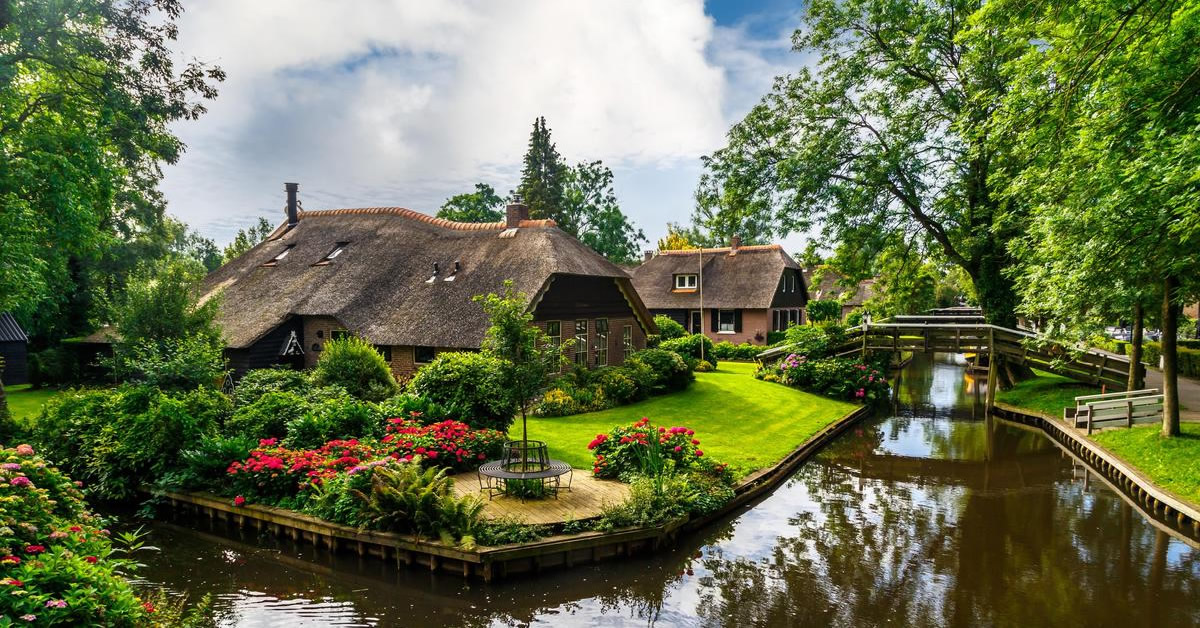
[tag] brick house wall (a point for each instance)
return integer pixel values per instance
(317, 331)
(616, 348)
(755, 322)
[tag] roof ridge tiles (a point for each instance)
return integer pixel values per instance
(404, 212)
(725, 249)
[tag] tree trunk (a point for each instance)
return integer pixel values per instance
(1170, 331)
(1137, 374)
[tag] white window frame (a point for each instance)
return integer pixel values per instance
(685, 282)
(627, 341)
(581, 342)
(721, 323)
(554, 340)
(601, 342)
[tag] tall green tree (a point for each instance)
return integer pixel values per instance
(88, 90)
(528, 360)
(543, 178)
(246, 239)
(482, 205)
(1105, 101)
(884, 141)
(595, 215)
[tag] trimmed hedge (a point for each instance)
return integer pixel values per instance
(689, 348)
(746, 351)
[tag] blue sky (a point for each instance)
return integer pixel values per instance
(379, 102)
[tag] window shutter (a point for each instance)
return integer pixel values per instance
(714, 318)
(737, 321)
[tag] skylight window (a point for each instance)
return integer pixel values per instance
(337, 250)
(282, 254)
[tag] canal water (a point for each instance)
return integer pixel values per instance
(931, 515)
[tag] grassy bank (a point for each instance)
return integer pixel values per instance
(26, 403)
(744, 422)
(1172, 463)
(1047, 393)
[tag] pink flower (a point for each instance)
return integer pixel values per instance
(239, 500)
(34, 549)
(860, 393)
(11, 466)
(28, 617)
(699, 453)
(20, 480)
(678, 449)
(24, 450)
(56, 603)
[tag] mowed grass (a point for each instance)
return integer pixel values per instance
(1047, 393)
(26, 403)
(741, 421)
(1172, 463)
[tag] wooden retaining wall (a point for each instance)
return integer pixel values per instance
(1148, 496)
(489, 563)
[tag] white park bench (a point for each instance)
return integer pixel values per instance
(1129, 407)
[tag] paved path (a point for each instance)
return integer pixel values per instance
(1189, 394)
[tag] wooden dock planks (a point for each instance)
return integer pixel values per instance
(585, 500)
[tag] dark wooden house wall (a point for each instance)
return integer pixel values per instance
(16, 363)
(582, 297)
(265, 352)
(785, 299)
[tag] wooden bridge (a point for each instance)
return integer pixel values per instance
(967, 332)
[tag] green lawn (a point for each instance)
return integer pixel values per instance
(1172, 463)
(1047, 393)
(26, 403)
(744, 422)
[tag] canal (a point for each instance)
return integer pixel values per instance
(930, 515)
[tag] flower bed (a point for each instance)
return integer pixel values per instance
(58, 565)
(621, 452)
(835, 377)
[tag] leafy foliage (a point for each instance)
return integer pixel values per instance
(482, 205)
(661, 370)
(841, 378)
(353, 364)
(820, 311)
(668, 329)
(246, 239)
(469, 387)
(692, 348)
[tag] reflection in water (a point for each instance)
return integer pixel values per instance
(931, 516)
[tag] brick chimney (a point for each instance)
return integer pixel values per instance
(734, 243)
(293, 210)
(515, 212)
(647, 255)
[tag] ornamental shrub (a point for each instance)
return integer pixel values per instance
(556, 402)
(118, 439)
(689, 346)
(668, 371)
(258, 382)
(705, 367)
(449, 444)
(807, 340)
(824, 310)
(354, 364)
(668, 328)
(621, 452)
(404, 498)
(467, 385)
(58, 565)
(746, 351)
(267, 416)
(412, 407)
(616, 385)
(841, 378)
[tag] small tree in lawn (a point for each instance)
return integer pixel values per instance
(530, 361)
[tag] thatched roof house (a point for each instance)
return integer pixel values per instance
(404, 281)
(735, 293)
(827, 284)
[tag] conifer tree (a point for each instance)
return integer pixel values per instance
(542, 178)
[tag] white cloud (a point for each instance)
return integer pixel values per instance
(376, 102)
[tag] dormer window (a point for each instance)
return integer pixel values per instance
(453, 271)
(282, 254)
(337, 250)
(685, 282)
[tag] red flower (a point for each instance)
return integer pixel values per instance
(75, 529)
(34, 549)
(91, 559)
(11, 560)
(699, 453)
(149, 607)
(239, 500)
(12, 582)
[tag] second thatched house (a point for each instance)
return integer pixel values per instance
(735, 293)
(404, 281)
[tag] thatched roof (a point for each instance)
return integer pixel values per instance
(378, 285)
(825, 283)
(745, 279)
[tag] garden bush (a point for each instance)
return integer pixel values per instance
(840, 378)
(556, 402)
(668, 328)
(88, 433)
(661, 371)
(403, 497)
(203, 467)
(746, 351)
(354, 364)
(689, 347)
(467, 385)
(705, 367)
(776, 337)
(413, 407)
(58, 565)
(54, 366)
(258, 382)
(655, 501)
(808, 340)
(450, 444)
(267, 416)
(642, 448)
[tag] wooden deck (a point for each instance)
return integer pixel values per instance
(586, 498)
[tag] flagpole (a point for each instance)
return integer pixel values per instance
(700, 281)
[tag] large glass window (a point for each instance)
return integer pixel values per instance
(685, 282)
(601, 342)
(581, 342)
(627, 341)
(726, 321)
(554, 333)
